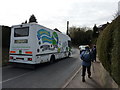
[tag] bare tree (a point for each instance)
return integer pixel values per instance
(116, 15)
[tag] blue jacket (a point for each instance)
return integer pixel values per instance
(86, 63)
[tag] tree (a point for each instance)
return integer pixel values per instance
(26, 21)
(6, 30)
(32, 19)
(80, 35)
(116, 15)
(95, 31)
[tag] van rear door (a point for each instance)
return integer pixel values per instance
(20, 50)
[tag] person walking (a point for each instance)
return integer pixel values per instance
(94, 53)
(86, 56)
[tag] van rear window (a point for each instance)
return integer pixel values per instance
(21, 32)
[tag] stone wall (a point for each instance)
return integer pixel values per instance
(106, 80)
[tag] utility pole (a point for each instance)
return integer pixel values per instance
(67, 28)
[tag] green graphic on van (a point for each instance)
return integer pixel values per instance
(20, 51)
(45, 37)
(47, 40)
(55, 38)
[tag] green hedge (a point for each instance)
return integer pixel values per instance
(108, 49)
(5, 44)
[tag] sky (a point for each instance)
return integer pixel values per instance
(55, 13)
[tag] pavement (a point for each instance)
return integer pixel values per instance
(94, 82)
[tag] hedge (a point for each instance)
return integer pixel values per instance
(108, 49)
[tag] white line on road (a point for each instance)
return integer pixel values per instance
(15, 77)
(71, 78)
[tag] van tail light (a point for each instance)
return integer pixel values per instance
(28, 52)
(29, 59)
(11, 57)
(12, 51)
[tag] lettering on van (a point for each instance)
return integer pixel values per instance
(21, 47)
(46, 40)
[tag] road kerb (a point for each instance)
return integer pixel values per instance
(67, 83)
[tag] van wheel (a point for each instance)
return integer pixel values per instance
(52, 59)
(69, 54)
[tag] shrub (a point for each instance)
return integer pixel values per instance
(115, 64)
(108, 49)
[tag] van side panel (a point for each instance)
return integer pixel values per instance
(50, 42)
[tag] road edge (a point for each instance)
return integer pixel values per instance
(71, 78)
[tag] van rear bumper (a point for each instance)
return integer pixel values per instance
(22, 54)
(19, 61)
(22, 59)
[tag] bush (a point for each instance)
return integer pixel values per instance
(5, 44)
(6, 36)
(108, 49)
(115, 64)
(80, 36)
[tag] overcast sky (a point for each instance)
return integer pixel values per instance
(55, 13)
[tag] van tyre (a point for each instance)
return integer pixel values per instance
(52, 59)
(69, 54)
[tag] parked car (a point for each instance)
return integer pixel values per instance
(82, 47)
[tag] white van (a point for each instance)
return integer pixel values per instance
(33, 44)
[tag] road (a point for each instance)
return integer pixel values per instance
(45, 76)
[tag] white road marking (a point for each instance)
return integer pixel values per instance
(14, 77)
(67, 83)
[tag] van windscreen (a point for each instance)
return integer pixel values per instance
(21, 32)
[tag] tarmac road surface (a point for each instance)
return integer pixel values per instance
(45, 76)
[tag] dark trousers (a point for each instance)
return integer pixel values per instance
(84, 70)
(94, 57)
